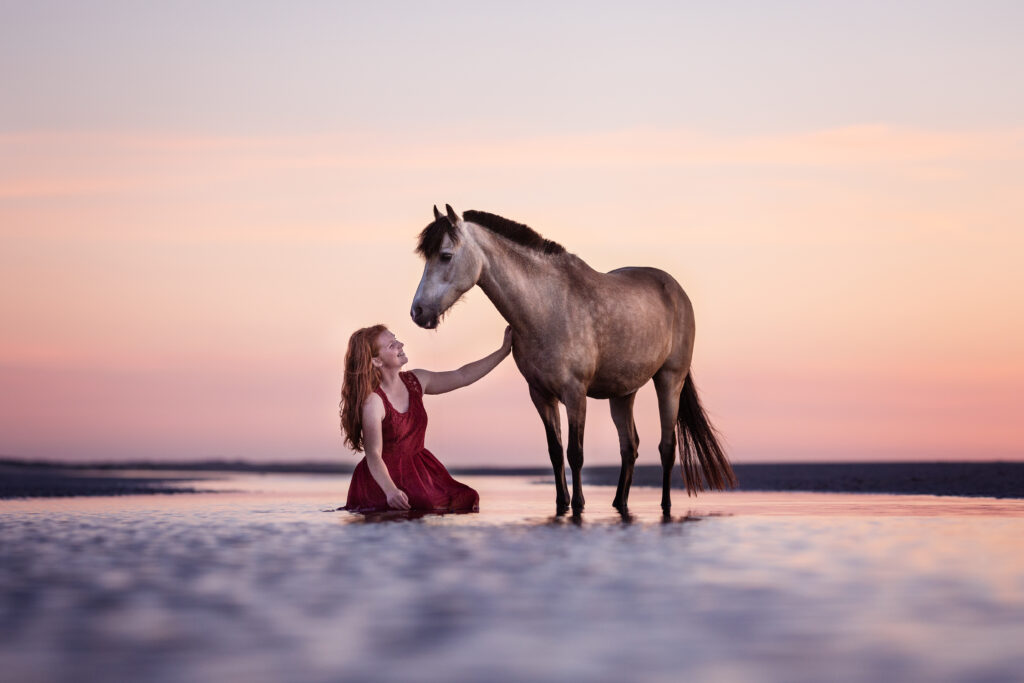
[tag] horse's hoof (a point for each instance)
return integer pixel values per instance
(561, 508)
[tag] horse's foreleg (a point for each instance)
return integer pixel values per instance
(547, 407)
(576, 412)
(629, 442)
(667, 385)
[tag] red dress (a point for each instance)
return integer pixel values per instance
(412, 467)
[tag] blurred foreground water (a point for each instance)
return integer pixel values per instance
(266, 581)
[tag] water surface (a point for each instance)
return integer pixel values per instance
(266, 581)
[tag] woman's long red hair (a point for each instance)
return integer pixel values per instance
(361, 379)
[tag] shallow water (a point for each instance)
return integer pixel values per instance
(266, 581)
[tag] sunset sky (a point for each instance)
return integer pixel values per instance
(200, 201)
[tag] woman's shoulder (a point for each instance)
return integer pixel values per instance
(373, 406)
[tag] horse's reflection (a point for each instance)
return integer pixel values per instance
(622, 517)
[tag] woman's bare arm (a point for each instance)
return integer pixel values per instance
(442, 382)
(373, 440)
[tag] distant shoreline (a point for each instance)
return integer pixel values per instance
(197, 466)
(970, 479)
(33, 478)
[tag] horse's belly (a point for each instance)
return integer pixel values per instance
(607, 391)
(611, 387)
(623, 373)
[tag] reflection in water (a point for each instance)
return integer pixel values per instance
(260, 583)
(395, 515)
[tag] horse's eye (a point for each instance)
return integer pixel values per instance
(446, 257)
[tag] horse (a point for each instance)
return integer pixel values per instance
(576, 333)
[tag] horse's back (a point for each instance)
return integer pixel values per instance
(644, 282)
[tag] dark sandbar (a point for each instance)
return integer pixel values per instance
(986, 479)
(20, 481)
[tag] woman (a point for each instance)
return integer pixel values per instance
(382, 414)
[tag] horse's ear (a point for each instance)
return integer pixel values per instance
(453, 217)
(437, 214)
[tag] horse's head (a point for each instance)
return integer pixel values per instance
(453, 266)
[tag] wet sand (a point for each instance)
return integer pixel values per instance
(266, 581)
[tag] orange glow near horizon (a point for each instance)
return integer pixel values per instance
(833, 323)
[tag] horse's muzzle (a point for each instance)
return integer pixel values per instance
(424, 317)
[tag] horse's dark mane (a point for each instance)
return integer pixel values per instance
(433, 234)
(517, 232)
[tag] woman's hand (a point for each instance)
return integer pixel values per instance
(506, 344)
(398, 500)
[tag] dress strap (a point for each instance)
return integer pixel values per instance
(412, 382)
(384, 397)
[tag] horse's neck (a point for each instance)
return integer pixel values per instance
(524, 285)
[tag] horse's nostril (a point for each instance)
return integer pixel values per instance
(417, 311)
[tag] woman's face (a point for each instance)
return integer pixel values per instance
(390, 351)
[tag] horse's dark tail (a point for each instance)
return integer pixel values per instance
(703, 461)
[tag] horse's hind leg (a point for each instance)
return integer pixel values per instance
(668, 384)
(629, 442)
(547, 407)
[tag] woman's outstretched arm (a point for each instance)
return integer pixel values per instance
(373, 440)
(442, 382)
